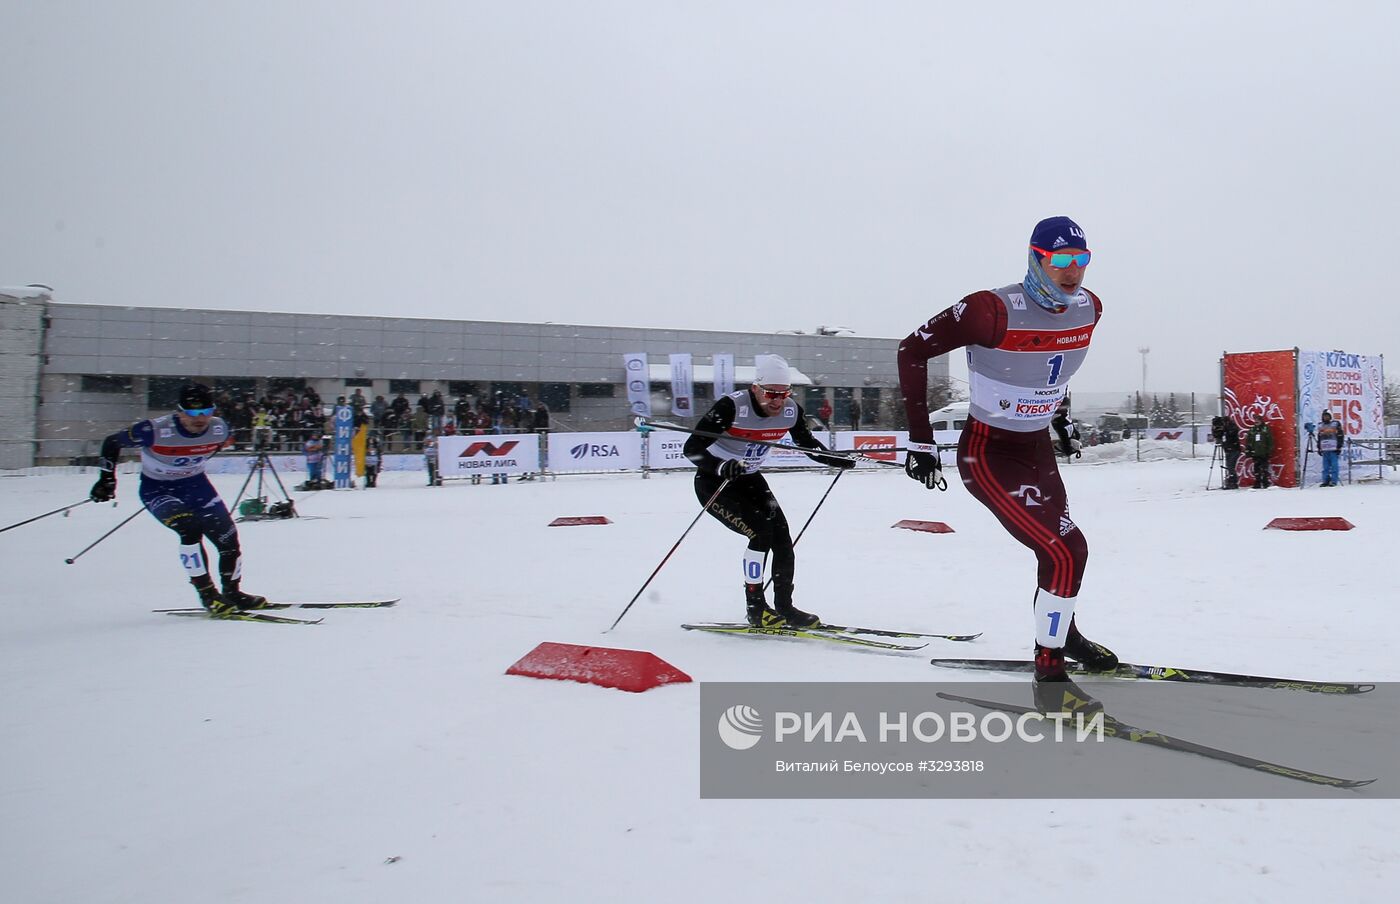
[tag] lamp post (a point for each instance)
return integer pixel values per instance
(1143, 350)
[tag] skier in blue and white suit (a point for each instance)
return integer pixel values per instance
(174, 488)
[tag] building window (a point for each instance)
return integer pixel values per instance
(870, 406)
(163, 393)
(106, 383)
(508, 392)
(556, 396)
(363, 382)
(403, 386)
(841, 405)
(597, 390)
(461, 388)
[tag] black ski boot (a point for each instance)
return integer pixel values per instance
(795, 617)
(238, 598)
(212, 601)
(1095, 657)
(1053, 690)
(758, 615)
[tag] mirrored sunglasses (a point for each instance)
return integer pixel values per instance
(779, 392)
(197, 412)
(1062, 259)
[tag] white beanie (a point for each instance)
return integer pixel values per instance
(771, 370)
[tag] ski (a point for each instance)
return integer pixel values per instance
(881, 632)
(1165, 673)
(245, 616)
(363, 604)
(1116, 728)
(358, 604)
(800, 633)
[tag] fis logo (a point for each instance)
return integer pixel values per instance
(491, 449)
(1018, 301)
(594, 450)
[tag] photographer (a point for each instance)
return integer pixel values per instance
(1260, 445)
(1227, 437)
(1070, 445)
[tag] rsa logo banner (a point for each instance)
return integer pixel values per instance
(595, 451)
(505, 453)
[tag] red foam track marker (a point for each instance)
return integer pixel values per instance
(580, 519)
(1309, 524)
(928, 527)
(626, 670)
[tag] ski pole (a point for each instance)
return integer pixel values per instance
(45, 515)
(809, 521)
(705, 508)
(106, 535)
(828, 453)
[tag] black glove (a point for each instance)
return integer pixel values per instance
(925, 467)
(730, 469)
(105, 488)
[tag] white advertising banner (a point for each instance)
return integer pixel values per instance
(723, 375)
(507, 453)
(682, 387)
(1352, 387)
(284, 465)
(788, 456)
(595, 451)
(664, 449)
(638, 383)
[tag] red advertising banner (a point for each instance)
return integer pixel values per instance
(1264, 383)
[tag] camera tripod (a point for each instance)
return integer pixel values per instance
(1307, 453)
(255, 507)
(1226, 478)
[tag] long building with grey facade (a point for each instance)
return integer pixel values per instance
(72, 373)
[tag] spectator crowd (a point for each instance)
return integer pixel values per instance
(285, 421)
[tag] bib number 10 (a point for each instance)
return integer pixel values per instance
(1057, 363)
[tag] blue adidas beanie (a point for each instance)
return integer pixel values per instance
(1058, 232)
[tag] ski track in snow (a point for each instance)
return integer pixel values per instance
(148, 758)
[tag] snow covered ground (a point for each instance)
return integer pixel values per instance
(383, 756)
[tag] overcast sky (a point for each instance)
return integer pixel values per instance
(752, 166)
